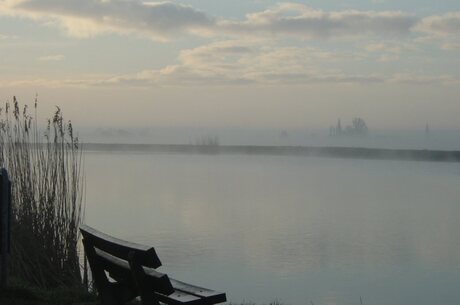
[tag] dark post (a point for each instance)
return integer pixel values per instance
(5, 225)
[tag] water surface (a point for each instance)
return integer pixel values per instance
(287, 228)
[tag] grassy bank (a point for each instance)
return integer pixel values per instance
(21, 294)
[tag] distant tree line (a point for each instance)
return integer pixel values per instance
(207, 141)
(358, 127)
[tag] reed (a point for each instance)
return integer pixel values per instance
(46, 172)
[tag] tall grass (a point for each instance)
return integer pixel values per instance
(46, 173)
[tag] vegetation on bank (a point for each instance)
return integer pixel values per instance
(19, 293)
(46, 174)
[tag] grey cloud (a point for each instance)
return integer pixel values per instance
(249, 62)
(321, 79)
(299, 20)
(189, 77)
(443, 25)
(184, 77)
(56, 57)
(443, 30)
(88, 17)
(415, 79)
(451, 46)
(163, 19)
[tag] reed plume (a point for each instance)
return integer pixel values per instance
(45, 168)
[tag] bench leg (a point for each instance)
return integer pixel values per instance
(104, 287)
(145, 291)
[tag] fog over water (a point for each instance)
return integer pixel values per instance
(294, 229)
(392, 139)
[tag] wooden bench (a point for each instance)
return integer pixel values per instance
(131, 269)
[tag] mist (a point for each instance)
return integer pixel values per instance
(280, 152)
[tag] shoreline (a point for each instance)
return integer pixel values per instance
(316, 151)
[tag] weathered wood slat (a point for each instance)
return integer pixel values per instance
(120, 248)
(211, 295)
(179, 297)
(120, 270)
(179, 293)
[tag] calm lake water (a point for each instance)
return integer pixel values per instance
(293, 229)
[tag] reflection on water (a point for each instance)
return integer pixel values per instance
(296, 229)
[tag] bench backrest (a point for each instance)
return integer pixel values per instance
(126, 262)
(145, 255)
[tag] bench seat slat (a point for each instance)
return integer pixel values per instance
(185, 298)
(120, 270)
(211, 295)
(183, 293)
(179, 297)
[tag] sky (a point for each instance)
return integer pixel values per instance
(239, 64)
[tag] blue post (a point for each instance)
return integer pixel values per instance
(5, 225)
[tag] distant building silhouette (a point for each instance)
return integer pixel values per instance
(357, 128)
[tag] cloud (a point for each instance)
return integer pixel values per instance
(57, 57)
(244, 51)
(86, 18)
(8, 37)
(180, 76)
(441, 25)
(383, 47)
(233, 62)
(451, 46)
(443, 30)
(246, 62)
(390, 50)
(162, 20)
(414, 79)
(299, 20)
(253, 61)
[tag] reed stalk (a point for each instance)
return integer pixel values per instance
(45, 168)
